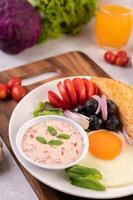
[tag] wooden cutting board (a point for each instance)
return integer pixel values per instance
(69, 64)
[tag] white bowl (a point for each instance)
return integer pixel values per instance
(34, 121)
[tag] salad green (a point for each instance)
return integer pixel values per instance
(89, 182)
(85, 177)
(63, 16)
(45, 108)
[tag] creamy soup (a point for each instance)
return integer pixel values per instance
(52, 142)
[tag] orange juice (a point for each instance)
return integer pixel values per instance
(113, 25)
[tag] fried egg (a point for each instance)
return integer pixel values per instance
(112, 157)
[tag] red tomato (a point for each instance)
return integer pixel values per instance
(122, 61)
(70, 91)
(80, 90)
(109, 57)
(89, 88)
(64, 94)
(55, 100)
(3, 91)
(86, 82)
(121, 53)
(96, 89)
(18, 92)
(14, 81)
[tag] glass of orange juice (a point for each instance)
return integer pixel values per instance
(114, 21)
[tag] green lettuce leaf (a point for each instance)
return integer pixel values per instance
(63, 16)
(45, 108)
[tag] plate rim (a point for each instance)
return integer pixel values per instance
(126, 193)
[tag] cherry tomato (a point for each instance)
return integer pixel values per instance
(14, 81)
(3, 91)
(64, 94)
(122, 61)
(18, 92)
(80, 90)
(55, 100)
(70, 91)
(109, 57)
(121, 53)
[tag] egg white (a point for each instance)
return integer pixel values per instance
(117, 172)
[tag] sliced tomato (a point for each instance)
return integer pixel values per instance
(86, 82)
(55, 100)
(90, 90)
(80, 90)
(64, 94)
(70, 89)
(96, 89)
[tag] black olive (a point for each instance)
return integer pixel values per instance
(91, 106)
(95, 122)
(111, 106)
(112, 123)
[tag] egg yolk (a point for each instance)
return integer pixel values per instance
(105, 145)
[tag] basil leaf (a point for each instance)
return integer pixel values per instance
(63, 136)
(41, 140)
(52, 130)
(72, 175)
(55, 142)
(81, 171)
(89, 182)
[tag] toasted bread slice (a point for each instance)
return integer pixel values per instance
(122, 95)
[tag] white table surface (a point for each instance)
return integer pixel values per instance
(13, 184)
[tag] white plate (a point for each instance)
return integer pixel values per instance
(54, 179)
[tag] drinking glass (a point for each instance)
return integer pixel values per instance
(114, 20)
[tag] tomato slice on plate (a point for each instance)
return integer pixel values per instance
(55, 100)
(80, 90)
(70, 89)
(91, 89)
(89, 86)
(64, 94)
(96, 90)
(86, 82)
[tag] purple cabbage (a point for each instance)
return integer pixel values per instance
(20, 26)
